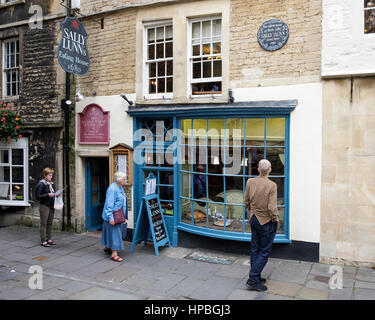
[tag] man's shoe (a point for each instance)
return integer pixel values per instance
(256, 287)
(263, 280)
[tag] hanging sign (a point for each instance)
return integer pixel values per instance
(151, 219)
(273, 35)
(72, 52)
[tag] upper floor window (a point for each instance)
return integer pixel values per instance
(7, 1)
(369, 6)
(10, 66)
(158, 66)
(205, 56)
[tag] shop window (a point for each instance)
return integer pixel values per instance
(369, 14)
(205, 56)
(14, 172)
(222, 155)
(158, 61)
(10, 68)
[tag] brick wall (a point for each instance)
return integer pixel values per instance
(297, 62)
(112, 54)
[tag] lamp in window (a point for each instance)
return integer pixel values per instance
(244, 162)
(216, 161)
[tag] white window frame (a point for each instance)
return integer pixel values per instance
(146, 94)
(9, 2)
(367, 35)
(190, 57)
(4, 70)
(21, 143)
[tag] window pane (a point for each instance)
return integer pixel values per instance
(370, 21)
(4, 192)
(168, 33)
(253, 155)
(169, 49)
(151, 52)
(17, 156)
(152, 70)
(275, 132)
(196, 70)
(160, 34)
(217, 68)
(4, 174)
(196, 30)
(152, 86)
(160, 50)
(161, 69)
(207, 69)
(277, 158)
(161, 85)
(151, 35)
(280, 189)
(206, 48)
(196, 50)
(216, 26)
(17, 174)
(216, 47)
(206, 29)
(186, 210)
(4, 156)
(169, 84)
(169, 68)
(255, 132)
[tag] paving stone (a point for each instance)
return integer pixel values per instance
(185, 287)
(16, 293)
(233, 271)
(140, 281)
(51, 294)
(320, 269)
(365, 285)
(98, 293)
(240, 294)
(73, 287)
(291, 271)
(364, 294)
(215, 288)
(198, 270)
(365, 274)
(167, 282)
(312, 294)
(312, 284)
(119, 274)
(278, 297)
(340, 294)
(282, 288)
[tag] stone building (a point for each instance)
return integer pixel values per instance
(197, 67)
(32, 81)
(348, 166)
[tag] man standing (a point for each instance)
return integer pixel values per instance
(261, 201)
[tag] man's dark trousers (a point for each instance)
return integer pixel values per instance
(261, 244)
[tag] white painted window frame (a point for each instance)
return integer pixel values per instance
(145, 73)
(4, 70)
(21, 143)
(190, 57)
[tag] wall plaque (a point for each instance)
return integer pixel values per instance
(273, 35)
(93, 125)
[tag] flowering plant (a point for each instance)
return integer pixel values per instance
(11, 123)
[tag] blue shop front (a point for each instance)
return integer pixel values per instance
(202, 156)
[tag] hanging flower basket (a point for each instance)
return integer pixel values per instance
(11, 123)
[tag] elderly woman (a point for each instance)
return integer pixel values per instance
(115, 200)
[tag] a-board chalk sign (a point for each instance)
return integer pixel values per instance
(150, 218)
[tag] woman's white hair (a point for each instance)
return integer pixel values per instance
(264, 167)
(119, 176)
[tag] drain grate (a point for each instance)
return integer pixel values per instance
(210, 258)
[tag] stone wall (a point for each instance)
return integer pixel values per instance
(348, 178)
(297, 62)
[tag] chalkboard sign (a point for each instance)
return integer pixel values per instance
(150, 218)
(273, 35)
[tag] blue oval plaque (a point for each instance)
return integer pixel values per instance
(273, 34)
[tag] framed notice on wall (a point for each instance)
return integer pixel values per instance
(122, 160)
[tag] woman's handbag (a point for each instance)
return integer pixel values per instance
(119, 216)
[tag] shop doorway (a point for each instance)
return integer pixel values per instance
(97, 182)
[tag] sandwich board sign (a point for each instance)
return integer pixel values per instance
(150, 218)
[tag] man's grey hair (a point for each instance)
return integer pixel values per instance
(264, 167)
(119, 176)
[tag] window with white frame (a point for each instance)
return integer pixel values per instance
(205, 58)
(14, 172)
(369, 8)
(11, 64)
(7, 1)
(158, 57)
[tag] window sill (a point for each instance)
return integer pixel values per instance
(10, 98)
(7, 203)
(13, 3)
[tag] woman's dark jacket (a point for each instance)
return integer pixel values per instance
(41, 193)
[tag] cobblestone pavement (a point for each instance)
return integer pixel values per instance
(78, 269)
